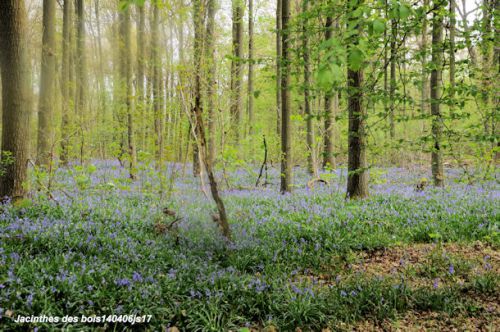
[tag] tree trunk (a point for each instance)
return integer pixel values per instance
(357, 178)
(126, 87)
(66, 84)
(487, 59)
(197, 110)
(103, 111)
(392, 88)
(16, 98)
(141, 57)
(46, 132)
(81, 81)
(386, 59)
(278, 67)
(157, 74)
(331, 102)
(236, 69)
(435, 85)
(424, 92)
(452, 50)
(311, 164)
(211, 66)
(286, 139)
(250, 67)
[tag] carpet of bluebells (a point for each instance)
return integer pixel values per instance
(308, 260)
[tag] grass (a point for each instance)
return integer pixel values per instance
(310, 260)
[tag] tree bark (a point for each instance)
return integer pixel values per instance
(127, 88)
(435, 85)
(357, 177)
(392, 87)
(286, 139)
(141, 58)
(424, 88)
(81, 81)
(211, 83)
(331, 103)
(200, 139)
(16, 98)
(278, 67)
(46, 129)
(236, 69)
(157, 74)
(66, 82)
(311, 163)
(250, 68)
(453, 23)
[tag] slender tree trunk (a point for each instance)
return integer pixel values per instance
(331, 101)
(66, 84)
(424, 92)
(16, 98)
(452, 47)
(81, 81)
(311, 164)
(386, 60)
(200, 139)
(46, 132)
(286, 137)
(250, 67)
(278, 67)
(357, 179)
(127, 88)
(487, 59)
(141, 57)
(435, 84)
(392, 88)
(156, 68)
(103, 111)
(236, 69)
(211, 83)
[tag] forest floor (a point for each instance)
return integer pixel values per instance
(99, 244)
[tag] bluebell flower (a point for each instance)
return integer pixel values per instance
(136, 276)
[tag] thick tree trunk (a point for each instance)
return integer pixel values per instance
(435, 84)
(331, 103)
(46, 129)
(286, 138)
(311, 163)
(357, 178)
(16, 98)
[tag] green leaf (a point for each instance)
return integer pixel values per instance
(355, 58)
(404, 11)
(336, 72)
(378, 26)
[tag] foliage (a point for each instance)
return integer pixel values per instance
(99, 253)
